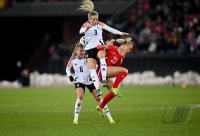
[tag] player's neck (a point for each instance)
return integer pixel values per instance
(79, 57)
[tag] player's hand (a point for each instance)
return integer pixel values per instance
(124, 33)
(71, 78)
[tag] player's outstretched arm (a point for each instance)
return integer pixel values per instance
(124, 33)
(68, 71)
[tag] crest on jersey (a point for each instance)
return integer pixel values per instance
(77, 85)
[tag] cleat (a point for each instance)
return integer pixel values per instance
(115, 91)
(104, 83)
(75, 122)
(101, 111)
(99, 93)
(111, 120)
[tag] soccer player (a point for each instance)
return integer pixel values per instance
(93, 29)
(82, 80)
(115, 56)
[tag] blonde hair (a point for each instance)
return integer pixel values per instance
(122, 41)
(88, 6)
(78, 45)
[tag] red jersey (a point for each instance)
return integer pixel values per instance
(113, 56)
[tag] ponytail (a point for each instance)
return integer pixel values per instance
(88, 6)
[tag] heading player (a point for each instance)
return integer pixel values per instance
(93, 29)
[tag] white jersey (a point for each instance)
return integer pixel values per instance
(93, 36)
(81, 71)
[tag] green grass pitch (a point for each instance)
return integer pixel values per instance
(141, 111)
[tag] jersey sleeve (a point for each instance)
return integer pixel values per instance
(83, 28)
(68, 68)
(110, 29)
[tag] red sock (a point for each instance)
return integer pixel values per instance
(119, 78)
(109, 96)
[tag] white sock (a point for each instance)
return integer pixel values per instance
(77, 108)
(95, 79)
(103, 65)
(106, 110)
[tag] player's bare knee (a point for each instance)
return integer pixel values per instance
(80, 97)
(101, 54)
(125, 70)
(98, 98)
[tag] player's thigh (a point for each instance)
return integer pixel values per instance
(94, 93)
(101, 54)
(112, 71)
(91, 63)
(92, 57)
(80, 90)
(92, 90)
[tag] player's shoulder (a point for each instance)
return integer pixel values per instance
(84, 25)
(72, 58)
(101, 23)
(112, 47)
(79, 60)
(83, 59)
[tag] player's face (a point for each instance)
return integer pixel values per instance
(93, 20)
(127, 47)
(80, 52)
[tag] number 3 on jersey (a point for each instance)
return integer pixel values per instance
(95, 32)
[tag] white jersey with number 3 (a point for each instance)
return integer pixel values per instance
(93, 36)
(81, 71)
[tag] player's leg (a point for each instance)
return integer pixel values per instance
(93, 74)
(120, 73)
(109, 96)
(105, 110)
(103, 65)
(97, 98)
(80, 89)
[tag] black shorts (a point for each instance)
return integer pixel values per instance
(90, 87)
(92, 53)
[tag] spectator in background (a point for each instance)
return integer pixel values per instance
(63, 51)
(24, 78)
(174, 25)
(192, 41)
(54, 59)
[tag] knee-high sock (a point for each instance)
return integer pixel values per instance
(95, 79)
(103, 65)
(77, 108)
(121, 75)
(106, 110)
(109, 96)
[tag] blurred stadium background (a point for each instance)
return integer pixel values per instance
(39, 35)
